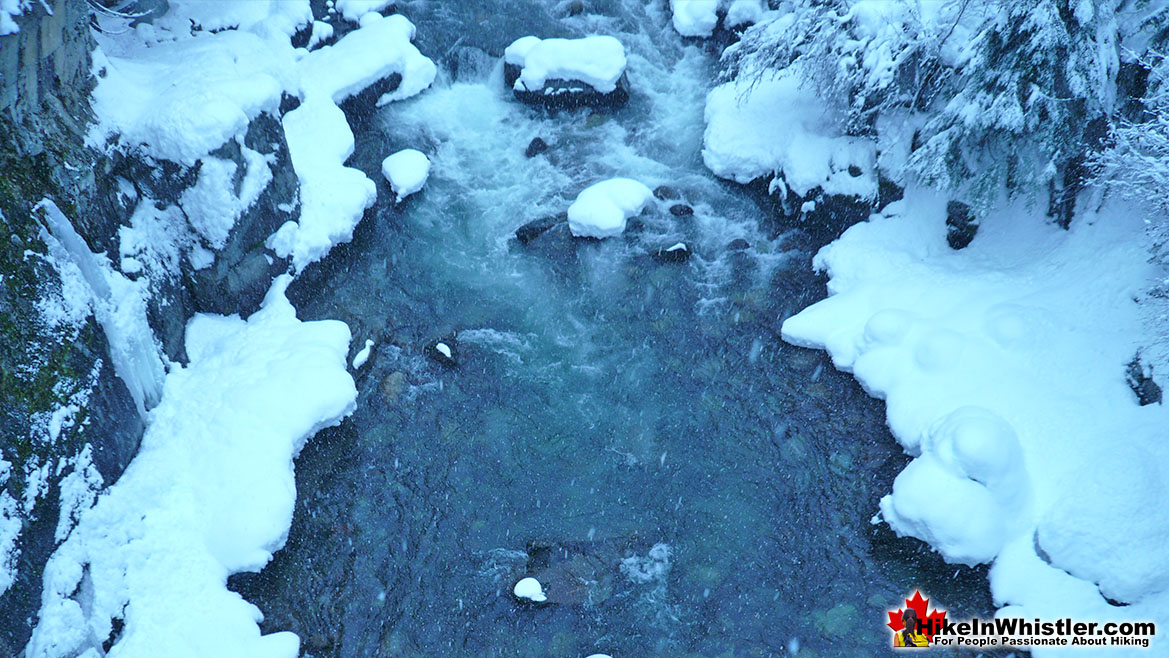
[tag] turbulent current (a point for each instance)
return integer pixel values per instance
(634, 433)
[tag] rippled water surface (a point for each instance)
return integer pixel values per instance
(634, 433)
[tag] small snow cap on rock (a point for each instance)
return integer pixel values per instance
(362, 356)
(530, 589)
(602, 209)
(677, 253)
(406, 171)
(444, 351)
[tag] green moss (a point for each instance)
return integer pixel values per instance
(39, 370)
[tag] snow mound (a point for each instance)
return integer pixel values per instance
(209, 494)
(602, 209)
(1002, 366)
(695, 18)
(406, 171)
(773, 126)
(598, 61)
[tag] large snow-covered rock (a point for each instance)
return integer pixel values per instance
(602, 209)
(406, 171)
(567, 72)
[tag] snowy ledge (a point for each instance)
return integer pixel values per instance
(210, 493)
(1002, 366)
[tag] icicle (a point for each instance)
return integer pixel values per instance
(120, 310)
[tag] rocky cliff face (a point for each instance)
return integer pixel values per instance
(58, 388)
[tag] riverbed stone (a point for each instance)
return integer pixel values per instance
(538, 227)
(535, 147)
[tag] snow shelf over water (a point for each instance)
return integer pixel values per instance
(1002, 366)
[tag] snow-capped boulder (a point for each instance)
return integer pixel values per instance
(564, 73)
(603, 209)
(676, 253)
(443, 350)
(530, 589)
(406, 171)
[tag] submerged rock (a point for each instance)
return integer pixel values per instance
(538, 227)
(392, 387)
(739, 244)
(666, 193)
(681, 210)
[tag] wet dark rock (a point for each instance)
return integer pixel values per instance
(537, 227)
(558, 94)
(887, 192)
(666, 193)
(242, 272)
(854, 171)
(575, 8)
(961, 226)
(739, 244)
(678, 253)
(1140, 379)
(536, 147)
(361, 107)
(443, 350)
(681, 210)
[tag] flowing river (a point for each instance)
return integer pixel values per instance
(635, 433)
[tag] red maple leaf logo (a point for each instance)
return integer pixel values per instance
(930, 623)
